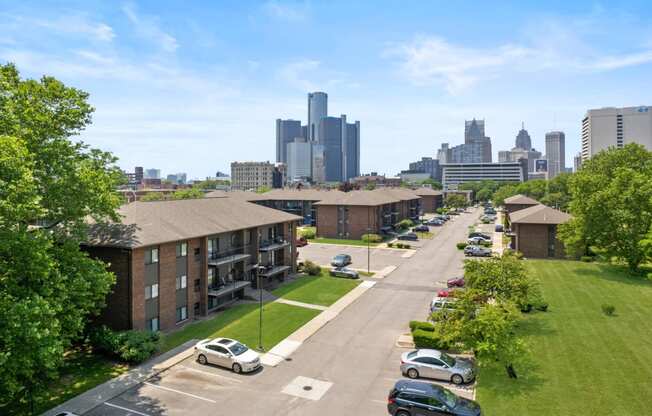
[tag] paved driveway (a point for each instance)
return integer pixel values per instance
(346, 368)
(379, 257)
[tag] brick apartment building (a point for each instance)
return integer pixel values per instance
(534, 231)
(409, 204)
(518, 202)
(177, 260)
(431, 199)
(296, 201)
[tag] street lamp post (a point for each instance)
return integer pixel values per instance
(368, 242)
(260, 311)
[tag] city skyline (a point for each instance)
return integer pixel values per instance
(172, 86)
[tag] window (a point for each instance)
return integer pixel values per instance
(151, 256)
(211, 276)
(152, 324)
(182, 249)
(151, 292)
(182, 313)
(182, 282)
(218, 349)
(196, 308)
(197, 285)
(213, 246)
(247, 237)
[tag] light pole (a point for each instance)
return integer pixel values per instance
(260, 311)
(368, 241)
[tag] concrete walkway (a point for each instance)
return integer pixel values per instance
(498, 246)
(301, 304)
(116, 386)
(289, 345)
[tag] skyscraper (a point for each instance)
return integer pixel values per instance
(286, 132)
(522, 150)
(299, 159)
(341, 141)
(555, 153)
(350, 149)
(477, 146)
(615, 127)
(523, 140)
(317, 109)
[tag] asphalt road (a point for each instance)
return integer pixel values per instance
(380, 258)
(349, 365)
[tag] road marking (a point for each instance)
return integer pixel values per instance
(125, 409)
(380, 401)
(180, 392)
(210, 374)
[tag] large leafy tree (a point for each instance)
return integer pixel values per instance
(611, 204)
(456, 201)
(49, 187)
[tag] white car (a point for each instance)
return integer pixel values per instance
(227, 353)
(477, 240)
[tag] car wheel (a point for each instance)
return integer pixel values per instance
(202, 359)
(457, 379)
(237, 368)
(401, 413)
(413, 373)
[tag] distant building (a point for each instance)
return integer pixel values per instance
(410, 176)
(556, 153)
(615, 127)
(220, 175)
(477, 146)
(317, 110)
(318, 162)
(375, 180)
(138, 174)
(299, 160)
(341, 141)
(427, 165)
(519, 152)
(255, 175)
(152, 174)
(577, 162)
(523, 139)
(454, 174)
(286, 132)
(444, 154)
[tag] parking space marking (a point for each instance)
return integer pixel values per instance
(125, 409)
(180, 392)
(210, 374)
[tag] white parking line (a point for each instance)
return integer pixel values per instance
(180, 392)
(210, 374)
(125, 409)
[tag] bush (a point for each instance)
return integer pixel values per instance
(311, 268)
(429, 339)
(372, 238)
(586, 259)
(405, 224)
(399, 245)
(543, 306)
(424, 326)
(407, 246)
(129, 346)
(486, 243)
(608, 309)
(461, 246)
(390, 245)
(308, 233)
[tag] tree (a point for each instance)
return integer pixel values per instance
(49, 187)
(455, 201)
(370, 186)
(212, 183)
(188, 193)
(611, 204)
(501, 278)
(263, 189)
(433, 183)
(153, 196)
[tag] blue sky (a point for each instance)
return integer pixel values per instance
(192, 86)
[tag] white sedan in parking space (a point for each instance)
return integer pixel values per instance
(227, 353)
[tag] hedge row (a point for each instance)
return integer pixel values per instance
(129, 346)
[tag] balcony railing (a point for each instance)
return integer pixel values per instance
(273, 244)
(228, 256)
(272, 270)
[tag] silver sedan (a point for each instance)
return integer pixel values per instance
(436, 365)
(227, 353)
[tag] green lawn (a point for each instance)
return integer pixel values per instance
(318, 290)
(241, 322)
(342, 241)
(581, 362)
(425, 235)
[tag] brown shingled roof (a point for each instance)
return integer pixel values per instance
(539, 214)
(521, 200)
(425, 191)
(157, 222)
(305, 194)
(361, 198)
(242, 195)
(402, 194)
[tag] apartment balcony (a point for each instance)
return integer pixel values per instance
(228, 256)
(274, 244)
(272, 270)
(228, 288)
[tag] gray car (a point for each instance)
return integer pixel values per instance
(438, 365)
(344, 272)
(341, 260)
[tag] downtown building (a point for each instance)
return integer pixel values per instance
(556, 153)
(522, 150)
(254, 175)
(615, 127)
(455, 174)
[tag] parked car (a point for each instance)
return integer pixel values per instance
(344, 272)
(455, 282)
(228, 353)
(436, 222)
(66, 414)
(437, 365)
(412, 398)
(477, 251)
(478, 240)
(448, 293)
(341, 260)
(301, 242)
(408, 236)
(499, 228)
(442, 304)
(421, 229)
(479, 234)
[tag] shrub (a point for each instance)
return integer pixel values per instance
(486, 243)
(407, 246)
(371, 238)
(129, 346)
(461, 246)
(543, 306)
(399, 245)
(405, 224)
(390, 245)
(586, 259)
(307, 233)
(428, 339)
(424, 326)
(311, 268)
(608, 309)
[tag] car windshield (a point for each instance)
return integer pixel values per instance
(411, 354)
(238, 349)
(448, 398)
(339, 257)
(450, 361)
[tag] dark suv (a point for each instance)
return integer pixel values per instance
(411, 398)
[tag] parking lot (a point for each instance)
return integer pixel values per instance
(379, 257)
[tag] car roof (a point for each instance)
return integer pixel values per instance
(225, 342)
(426, 352)
(414, 386)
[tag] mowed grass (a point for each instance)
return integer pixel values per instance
(241, 322)
(321, 290)
(342, 241)
(580, 361)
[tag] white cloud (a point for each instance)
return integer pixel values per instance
(293, 12)
(299, 73)
(74, 24)
(148, 28)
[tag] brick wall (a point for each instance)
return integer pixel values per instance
(532, 241)
(327, 221)
(138, 288)
(360, 220)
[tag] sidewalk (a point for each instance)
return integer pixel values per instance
(289, 345)
(116, 386)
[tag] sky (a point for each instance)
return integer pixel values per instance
(192, 86)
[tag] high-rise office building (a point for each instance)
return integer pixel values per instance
(427, 165)
(577, 162)
(138, 174)
(556, 153)
(341, 141)
(615, 127)
(444, 154)
(477, 146)
(317, 109)
(152, 174)
(522, 150)
(350, 149)
(286, 132)
(318, 160)
(523, 140)
(299, 159)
